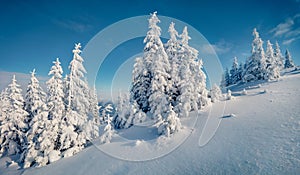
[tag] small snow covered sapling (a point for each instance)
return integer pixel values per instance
(171, 124)
(244, 92)
(215, 93)
(108, 132)
(229, 97)
(265, 91)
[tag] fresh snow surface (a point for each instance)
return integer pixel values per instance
(259, 133)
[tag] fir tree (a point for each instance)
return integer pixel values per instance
(4, 107)
(234, 74)
(94, 115)
(14, 125)
(192, 86)
(77, 106)
(94, 107)
(200, 84)
(55, 102)
(35, 96)
(141, 80)
(69, 140)
(108, 132)
(240, 71)
(272, 69)
(289, 63)
(66, 90)
(226, 81)
(255, 65)
(278, 56)
(139, 115)
(172, 48)
(223, 81)
(78, 100)
(171, 124)
(215, 93)
(4, 104)
(158, 65)
(123, 111)
(35, 150)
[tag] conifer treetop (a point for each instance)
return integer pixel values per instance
(173, 32)
(185, 36)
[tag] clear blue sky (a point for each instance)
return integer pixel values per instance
(34, 33)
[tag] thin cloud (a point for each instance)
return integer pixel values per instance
(73, 25)
(289, 41)
(288, 30)
(22, 80)
(220, 48)
(283, 28)
(293, 33)
(207, 49)
(245, 54)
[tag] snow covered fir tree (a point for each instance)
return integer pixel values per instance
(261, 65)
(13, 121)
(46, 126)
(289, 63)
(157, 91)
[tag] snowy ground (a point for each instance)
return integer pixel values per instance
(259, 133)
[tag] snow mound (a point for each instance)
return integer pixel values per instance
(138, 142)
(244, 92)
(54, 155)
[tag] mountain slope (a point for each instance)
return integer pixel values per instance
(259, 133)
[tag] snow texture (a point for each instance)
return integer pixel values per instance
(259, 137)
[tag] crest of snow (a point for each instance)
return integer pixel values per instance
(138, 142)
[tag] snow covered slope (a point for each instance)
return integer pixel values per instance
(259, 133)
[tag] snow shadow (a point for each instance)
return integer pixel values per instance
(139, 133)
(256, 93)
(291, 71)
(248, 86)
(227, 116)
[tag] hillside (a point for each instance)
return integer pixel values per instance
(258, 134)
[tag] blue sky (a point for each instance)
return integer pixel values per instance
(34, 33)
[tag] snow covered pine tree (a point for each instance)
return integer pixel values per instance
(272, 68)
(278, 56)
(215, 93)
(192, 86)
(234, 74)
(4, 107)
(77, 130)
(289, 63)
(255, 68)
(108, 132)
(40, 137)
(55, 102)
(155, 85)
(13, 126)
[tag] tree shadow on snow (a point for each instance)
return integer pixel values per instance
(227, 116)
(139, 133)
